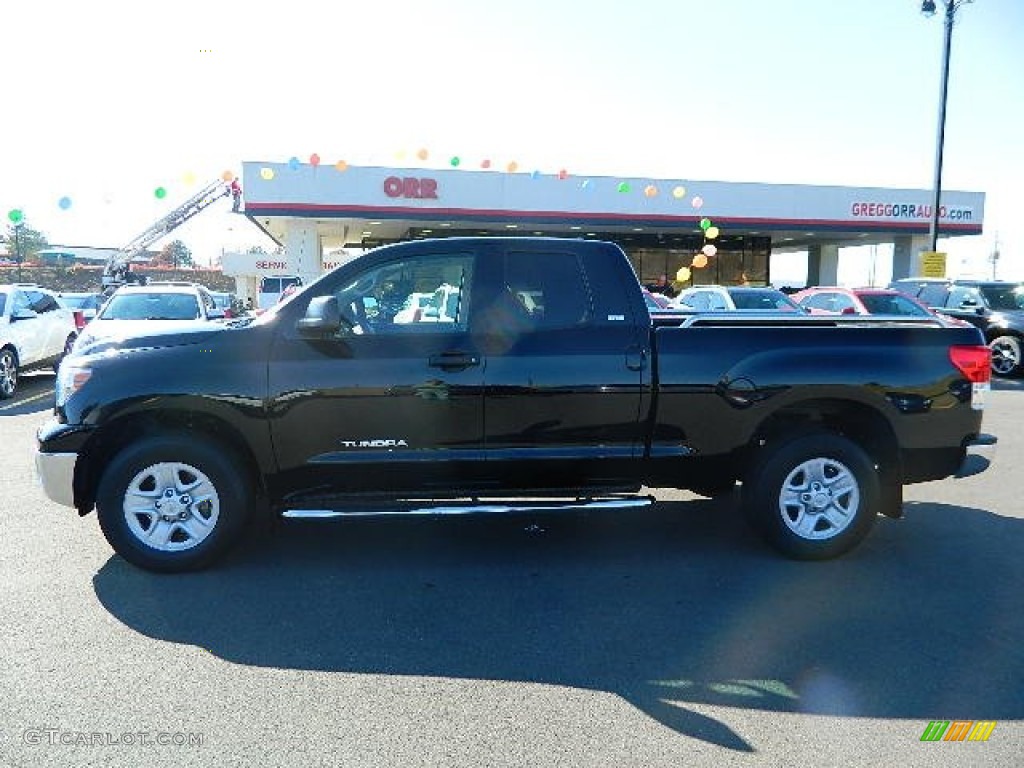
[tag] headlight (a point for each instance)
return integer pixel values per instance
(70, 379)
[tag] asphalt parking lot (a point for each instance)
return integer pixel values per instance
(664, 637)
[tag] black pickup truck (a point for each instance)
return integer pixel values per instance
(468, 374)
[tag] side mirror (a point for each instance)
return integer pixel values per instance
(322, 318)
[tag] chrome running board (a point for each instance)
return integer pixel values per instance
(473, 508)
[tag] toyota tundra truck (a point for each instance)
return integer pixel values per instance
(542, 383)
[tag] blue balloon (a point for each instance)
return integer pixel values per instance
(293, 163)
(64, 203)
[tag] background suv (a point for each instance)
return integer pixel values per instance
(36, 330)
(994, 306)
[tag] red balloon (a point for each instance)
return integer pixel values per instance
(314, 159)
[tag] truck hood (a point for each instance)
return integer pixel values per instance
(102, 335)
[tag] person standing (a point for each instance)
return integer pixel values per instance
(236, 195)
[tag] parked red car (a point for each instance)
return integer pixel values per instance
(860, 301)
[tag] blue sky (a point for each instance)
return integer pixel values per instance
(108, 104)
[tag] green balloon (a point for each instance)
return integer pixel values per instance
(624, 186)
(455, 162)
(160, 193)
(704, 224)
(15, 215)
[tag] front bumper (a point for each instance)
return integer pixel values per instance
(56, 473)
(981, 452)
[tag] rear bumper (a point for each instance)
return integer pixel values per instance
(980, 453)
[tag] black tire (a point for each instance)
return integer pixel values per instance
(8, 373)
(834, 493)
(213, 517)
(1006, 356)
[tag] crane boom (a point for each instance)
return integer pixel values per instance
(117, 269)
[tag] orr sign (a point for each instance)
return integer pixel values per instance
(410, 187)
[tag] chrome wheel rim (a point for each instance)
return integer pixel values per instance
(171, 507)
(1004, 358)
(819, 499)
(8, 374)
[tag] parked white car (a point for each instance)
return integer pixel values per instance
(36, 331)
(135, 310)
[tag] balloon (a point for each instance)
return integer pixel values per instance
(160, 193)
(679, 192)
(709, 250)
(563, 174)
(711, 233)
(513, 167)
(227, 176)
(190, 178)
(700, 261)
(697, 202)
(704, 224)
(64, 203)
(535, 175)
(683, 274)
(314, 159)
(455, 161)
(423, 154)
(15, 215)
(341, 165)
(266, 173)
(623, 186)
(650, 190)
(293, 163)
(485, 163)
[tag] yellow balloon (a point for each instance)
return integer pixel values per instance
(699, 261)
(711, 233)
(683, 274)
(679, 192)
(189, 178)
(266, 173)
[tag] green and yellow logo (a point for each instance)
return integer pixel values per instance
(958, 730)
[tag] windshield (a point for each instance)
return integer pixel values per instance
(1004, 297)
(767, 299)
(87, 301)
(891, 304)
(151, 306)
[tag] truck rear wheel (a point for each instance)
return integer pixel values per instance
(814, 496)
(171, 504)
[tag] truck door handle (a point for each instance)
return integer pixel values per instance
(453, 361)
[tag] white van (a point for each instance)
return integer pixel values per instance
(271, 288)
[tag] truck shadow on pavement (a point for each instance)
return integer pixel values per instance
(668, 608)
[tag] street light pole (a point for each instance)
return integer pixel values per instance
(928, 8)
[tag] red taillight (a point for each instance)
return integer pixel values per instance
(974, 362)
(79, 319)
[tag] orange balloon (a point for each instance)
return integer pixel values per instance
(341, 165)
(699, 261)
(227, 175)
(513, 167)
(422, 154)
(650, 190)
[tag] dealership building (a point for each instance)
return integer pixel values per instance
(319, 212)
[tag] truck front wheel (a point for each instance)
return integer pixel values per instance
(814, 496)
(171, 504)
